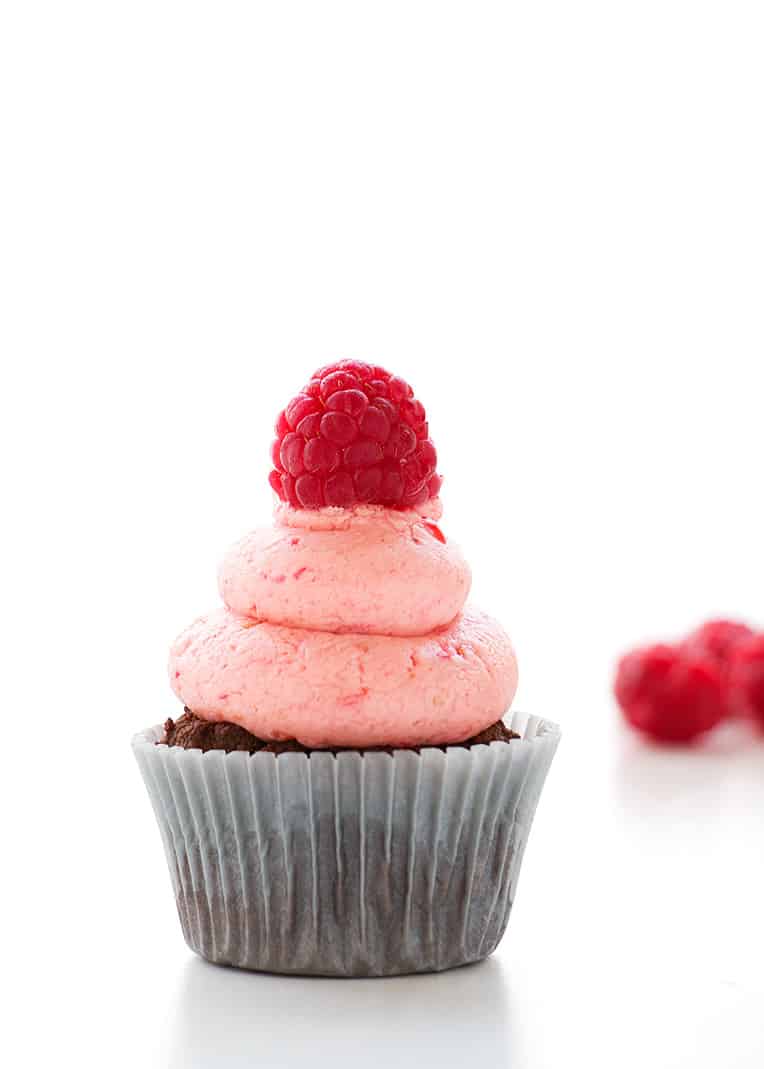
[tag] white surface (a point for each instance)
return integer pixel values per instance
(549, 217)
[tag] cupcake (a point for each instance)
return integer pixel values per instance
(345, 792)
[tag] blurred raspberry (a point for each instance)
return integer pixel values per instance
(746, 679)
(718, 639)
(669, 693)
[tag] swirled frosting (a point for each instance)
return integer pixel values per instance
(347, 627)
(372, 571)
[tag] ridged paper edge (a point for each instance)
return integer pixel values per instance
(354, 864)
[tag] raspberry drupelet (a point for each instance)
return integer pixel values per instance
(355, 435)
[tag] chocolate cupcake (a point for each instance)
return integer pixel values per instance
(344, 794)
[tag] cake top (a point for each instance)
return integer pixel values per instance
(354, 435)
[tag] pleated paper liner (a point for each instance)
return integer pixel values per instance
(349, 865)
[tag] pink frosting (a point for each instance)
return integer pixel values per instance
(325, 689)
(371, 571)
(347, 628)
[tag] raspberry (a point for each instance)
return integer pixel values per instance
(746, 678)
(670, 693)
(354, 435)
(717, 639)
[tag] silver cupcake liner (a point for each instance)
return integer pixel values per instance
(350, 865)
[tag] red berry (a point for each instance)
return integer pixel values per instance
(355, 434)
(718, 639)
(746, 678)
(670, 694)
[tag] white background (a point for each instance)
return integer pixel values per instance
(549, 217)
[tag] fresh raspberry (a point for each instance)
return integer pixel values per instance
(669, 693)
(354, 435)
(746, 678)
(718, 639)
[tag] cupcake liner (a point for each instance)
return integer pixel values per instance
(357, 864)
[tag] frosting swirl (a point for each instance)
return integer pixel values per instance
(347, 627)
(373, 571)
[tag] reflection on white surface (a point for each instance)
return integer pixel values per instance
(634, 941)
(229, 1017)
(652, 778)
